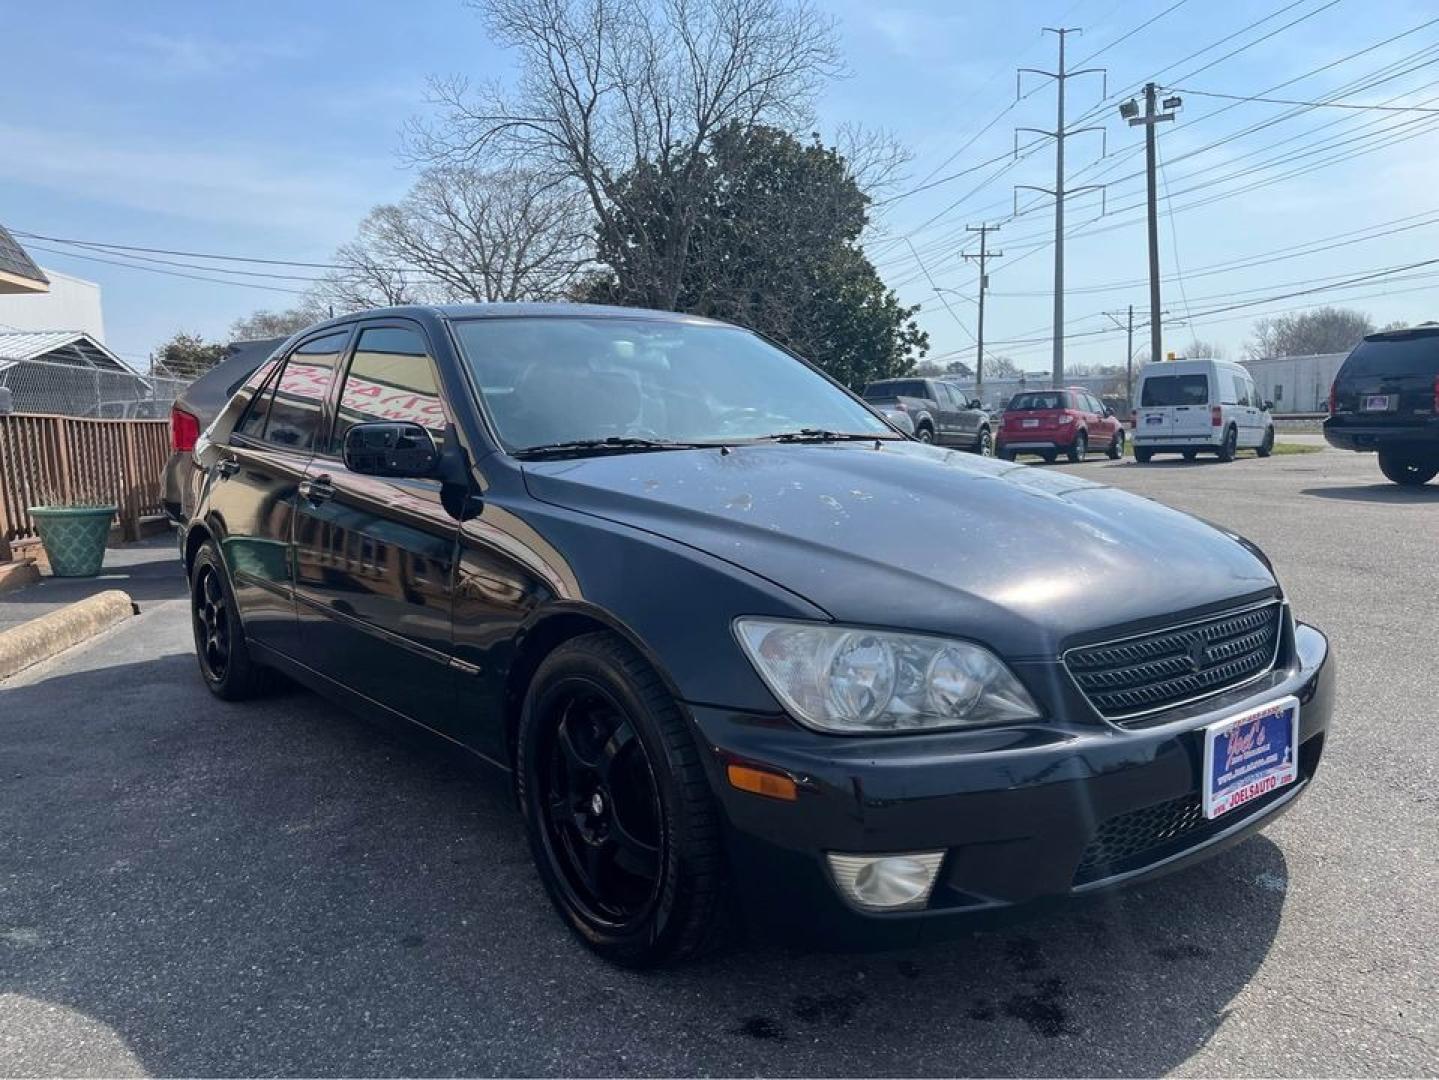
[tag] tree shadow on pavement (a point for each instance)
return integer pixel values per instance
(276, 888)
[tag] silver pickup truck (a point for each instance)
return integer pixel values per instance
(942, 412)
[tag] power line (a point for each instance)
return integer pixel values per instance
(1309, 104)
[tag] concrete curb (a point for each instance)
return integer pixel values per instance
(39, 639)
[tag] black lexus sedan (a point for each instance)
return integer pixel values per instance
(747, 653)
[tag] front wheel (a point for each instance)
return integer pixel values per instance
(924, 435)
(1405, 470)
(1079, 448)
(984, 446)
(1267, 446)
(621, 821)
(1116, 448)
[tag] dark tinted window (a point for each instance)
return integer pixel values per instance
(1411, 355)
(1047, 399)
(897, 388)
(294, 420)
(1175, 390)
(391, 378)
(253, 422)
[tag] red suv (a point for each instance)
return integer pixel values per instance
(1044, 422)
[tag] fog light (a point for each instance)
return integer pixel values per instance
(886, 882)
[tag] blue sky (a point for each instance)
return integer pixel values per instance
(269, 129)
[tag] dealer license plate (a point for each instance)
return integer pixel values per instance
(1250, 755)
(1376, 402)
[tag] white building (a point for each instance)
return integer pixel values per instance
(70, 304)
(1296, 384)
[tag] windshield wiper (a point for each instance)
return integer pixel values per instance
(610, 444)
(820, 435)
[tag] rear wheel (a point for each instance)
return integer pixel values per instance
(621, 821)
(1079, 448)
(1230, 444)
(1116, 447)
(1407, 470)
(1267, 446)
(1008, 455)
(1190, 455)
(1143, 455)
(1049, 456)
(225, 662)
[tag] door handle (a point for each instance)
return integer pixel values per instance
(318, 490)
(228, 466)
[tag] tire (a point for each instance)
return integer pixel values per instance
(1049, 456)
(984, 445)
(925, 434)
(226, 665)
(1230, 444)
(1116, 446)
(1408, 471)
(1143, 455)
(622, 824)
(1007, 455)
(1190, 455)
(1266, 447)
(1079, 449)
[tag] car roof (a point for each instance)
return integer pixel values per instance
(516, 310)
(1183, 367)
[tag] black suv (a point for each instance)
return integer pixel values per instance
(1386, 398)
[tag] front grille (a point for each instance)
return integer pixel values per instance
(1128, 678)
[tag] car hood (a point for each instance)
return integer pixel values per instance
(915, 537)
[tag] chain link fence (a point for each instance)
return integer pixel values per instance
(38, 386)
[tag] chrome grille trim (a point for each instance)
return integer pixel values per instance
(1129, 678)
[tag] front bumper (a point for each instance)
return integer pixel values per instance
(1018, 811)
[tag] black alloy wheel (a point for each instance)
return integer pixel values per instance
(225, 661)
(622, 824)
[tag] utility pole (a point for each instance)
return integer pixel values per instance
(983, 259)
(1059, 76)
(1152, 116)
(1128, 352)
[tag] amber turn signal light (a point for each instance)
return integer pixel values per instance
(760, 782)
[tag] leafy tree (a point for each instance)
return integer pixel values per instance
(186, 356)
(275, 324)
(1325, 330)
(774, 246)
(957, 369)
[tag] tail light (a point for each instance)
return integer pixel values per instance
(1216, 416)
(184, 430)
(1334, 395)
(1065, 418)
(901, 407)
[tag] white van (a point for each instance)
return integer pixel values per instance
(1189, 406)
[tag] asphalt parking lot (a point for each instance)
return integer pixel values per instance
(188, 887)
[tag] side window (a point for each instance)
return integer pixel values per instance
(252, 424)
(1091, 403)
(1226, 383)
(1242, 396)
(392, 377)
(947, 397)
(299, 394)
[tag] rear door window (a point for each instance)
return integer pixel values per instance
(295, 402)
(1162, 390)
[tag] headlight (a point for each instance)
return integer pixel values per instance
(844, 679)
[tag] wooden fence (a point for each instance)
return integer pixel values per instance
(67, 460)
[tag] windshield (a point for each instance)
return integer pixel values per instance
(560, 380)
(1161, 390)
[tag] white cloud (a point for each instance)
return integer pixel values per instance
(185, 56)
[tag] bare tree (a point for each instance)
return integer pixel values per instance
(608, 88)
(272, 324)
(1326, 330)
(1204, 350)
(461, 235)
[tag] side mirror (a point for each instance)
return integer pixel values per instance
(1108, 411)
(975, 403)
(394, 448)
(1269, 406)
